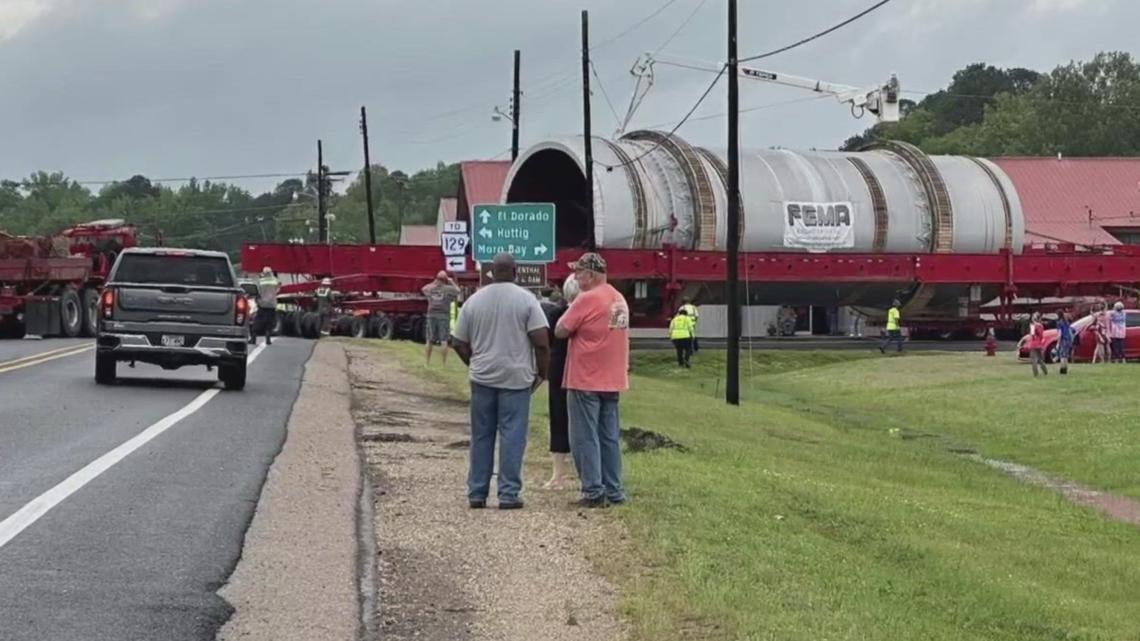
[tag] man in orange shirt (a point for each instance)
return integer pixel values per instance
(597, 371)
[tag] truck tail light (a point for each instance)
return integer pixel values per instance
(241, 310)
(107, 303)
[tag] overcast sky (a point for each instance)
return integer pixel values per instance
(109, 88)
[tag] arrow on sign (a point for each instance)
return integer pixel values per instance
(456, 264)
(540, 250)
(485, 233)
(485, 216)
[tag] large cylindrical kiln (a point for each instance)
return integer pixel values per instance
(650, 189)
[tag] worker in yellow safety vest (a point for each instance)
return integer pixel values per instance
(894, 328)
(681, 333)
(694, 315)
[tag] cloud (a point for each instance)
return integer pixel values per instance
(1062, 6)
(17, 14)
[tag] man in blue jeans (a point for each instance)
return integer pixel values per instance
(501, 335)
(597, 371)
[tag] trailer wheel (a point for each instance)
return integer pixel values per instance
(418, 329)
(105, 366)
(70, 313)
(358, 327)
(298, 324)
(90, 300)
(278, 325)
(311, 325)
(382, 327)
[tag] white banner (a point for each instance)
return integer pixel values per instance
(819, 226)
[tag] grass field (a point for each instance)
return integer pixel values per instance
(800, 516)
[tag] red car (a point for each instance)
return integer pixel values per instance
(1084, 343)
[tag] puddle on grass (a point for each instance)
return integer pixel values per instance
(1117, 507)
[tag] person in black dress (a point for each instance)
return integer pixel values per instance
(555, 307)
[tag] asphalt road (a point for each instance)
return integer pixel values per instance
(137, 551)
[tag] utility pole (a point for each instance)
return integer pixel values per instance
(368, 176)
(322, 222)
(588, 146)
(732, 375)
(515, 94)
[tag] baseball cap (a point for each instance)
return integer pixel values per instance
(590, 262)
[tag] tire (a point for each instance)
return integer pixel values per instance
(358, 327)
(419, 327)
(105, 367)
(342, 326)
(232, 375)
(311, 325)
(70, 313)
(382, 327)
(90, 300)
(298, 324)
(278, 325)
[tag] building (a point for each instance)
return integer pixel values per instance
(420, 235)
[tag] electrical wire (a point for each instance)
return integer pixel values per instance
(771, 105)
(816, 36)
(605, 94)
(681, 28)
(669, 135)
(634, 27)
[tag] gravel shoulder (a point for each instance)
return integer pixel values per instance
(297, 578)
(445, 571)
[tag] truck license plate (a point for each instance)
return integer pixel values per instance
(173, 341)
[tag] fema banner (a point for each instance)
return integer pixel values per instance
(819, 226)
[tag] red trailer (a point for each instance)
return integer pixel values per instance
(653, 279)
(49, 286)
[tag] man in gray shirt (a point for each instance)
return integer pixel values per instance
(502, 336)
(440, 293)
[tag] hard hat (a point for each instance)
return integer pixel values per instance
(1118, 306)
(267, 270)
(326, 281)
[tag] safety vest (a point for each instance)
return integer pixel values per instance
(893, 319)
(453, 315)
(681, 327)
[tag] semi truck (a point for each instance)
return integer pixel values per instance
(49, 285)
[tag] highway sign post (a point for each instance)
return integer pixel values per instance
(523, 230)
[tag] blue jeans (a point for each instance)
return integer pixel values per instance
(595, 442)
(497, 412)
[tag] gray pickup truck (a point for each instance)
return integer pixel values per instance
(172, 308)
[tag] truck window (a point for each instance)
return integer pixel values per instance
(201, 271)
(1132, 319)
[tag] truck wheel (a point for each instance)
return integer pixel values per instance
(278, 325)
(70, 313)
(105, 366)
(90, 299)
(419, 334)
(297, 323)
(232, 376)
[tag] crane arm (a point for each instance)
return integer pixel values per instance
(882, 101)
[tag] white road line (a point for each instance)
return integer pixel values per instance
(11, 527)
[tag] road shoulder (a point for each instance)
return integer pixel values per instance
(449, 572)
(297, 577)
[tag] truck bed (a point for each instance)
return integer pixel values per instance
(29, 273)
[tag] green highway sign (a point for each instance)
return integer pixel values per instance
(523, 230)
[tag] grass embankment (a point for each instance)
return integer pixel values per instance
(798, 515)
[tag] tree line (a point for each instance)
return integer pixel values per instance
(1089, 108)
(221, 216)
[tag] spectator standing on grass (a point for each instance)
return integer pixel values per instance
(441, 294)
(1117, 330)
(501, 335)
(681, 333)
(1064, 341)
(894, 328)
(1037, 344)
(554, 307)
(597, 372)
(1099, 334)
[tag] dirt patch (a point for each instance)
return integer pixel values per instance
(642, 440)
(1116, 507)
(448, 572)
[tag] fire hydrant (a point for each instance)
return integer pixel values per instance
(991, 343)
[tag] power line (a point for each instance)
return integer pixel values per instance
(605, 94)
(669, 135)
(818, 35)
(770, 105)
(634, 27)
(681, 28)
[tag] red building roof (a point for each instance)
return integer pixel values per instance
(446, 213)
(480, 182)
(1057, 197)
(419, 235)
